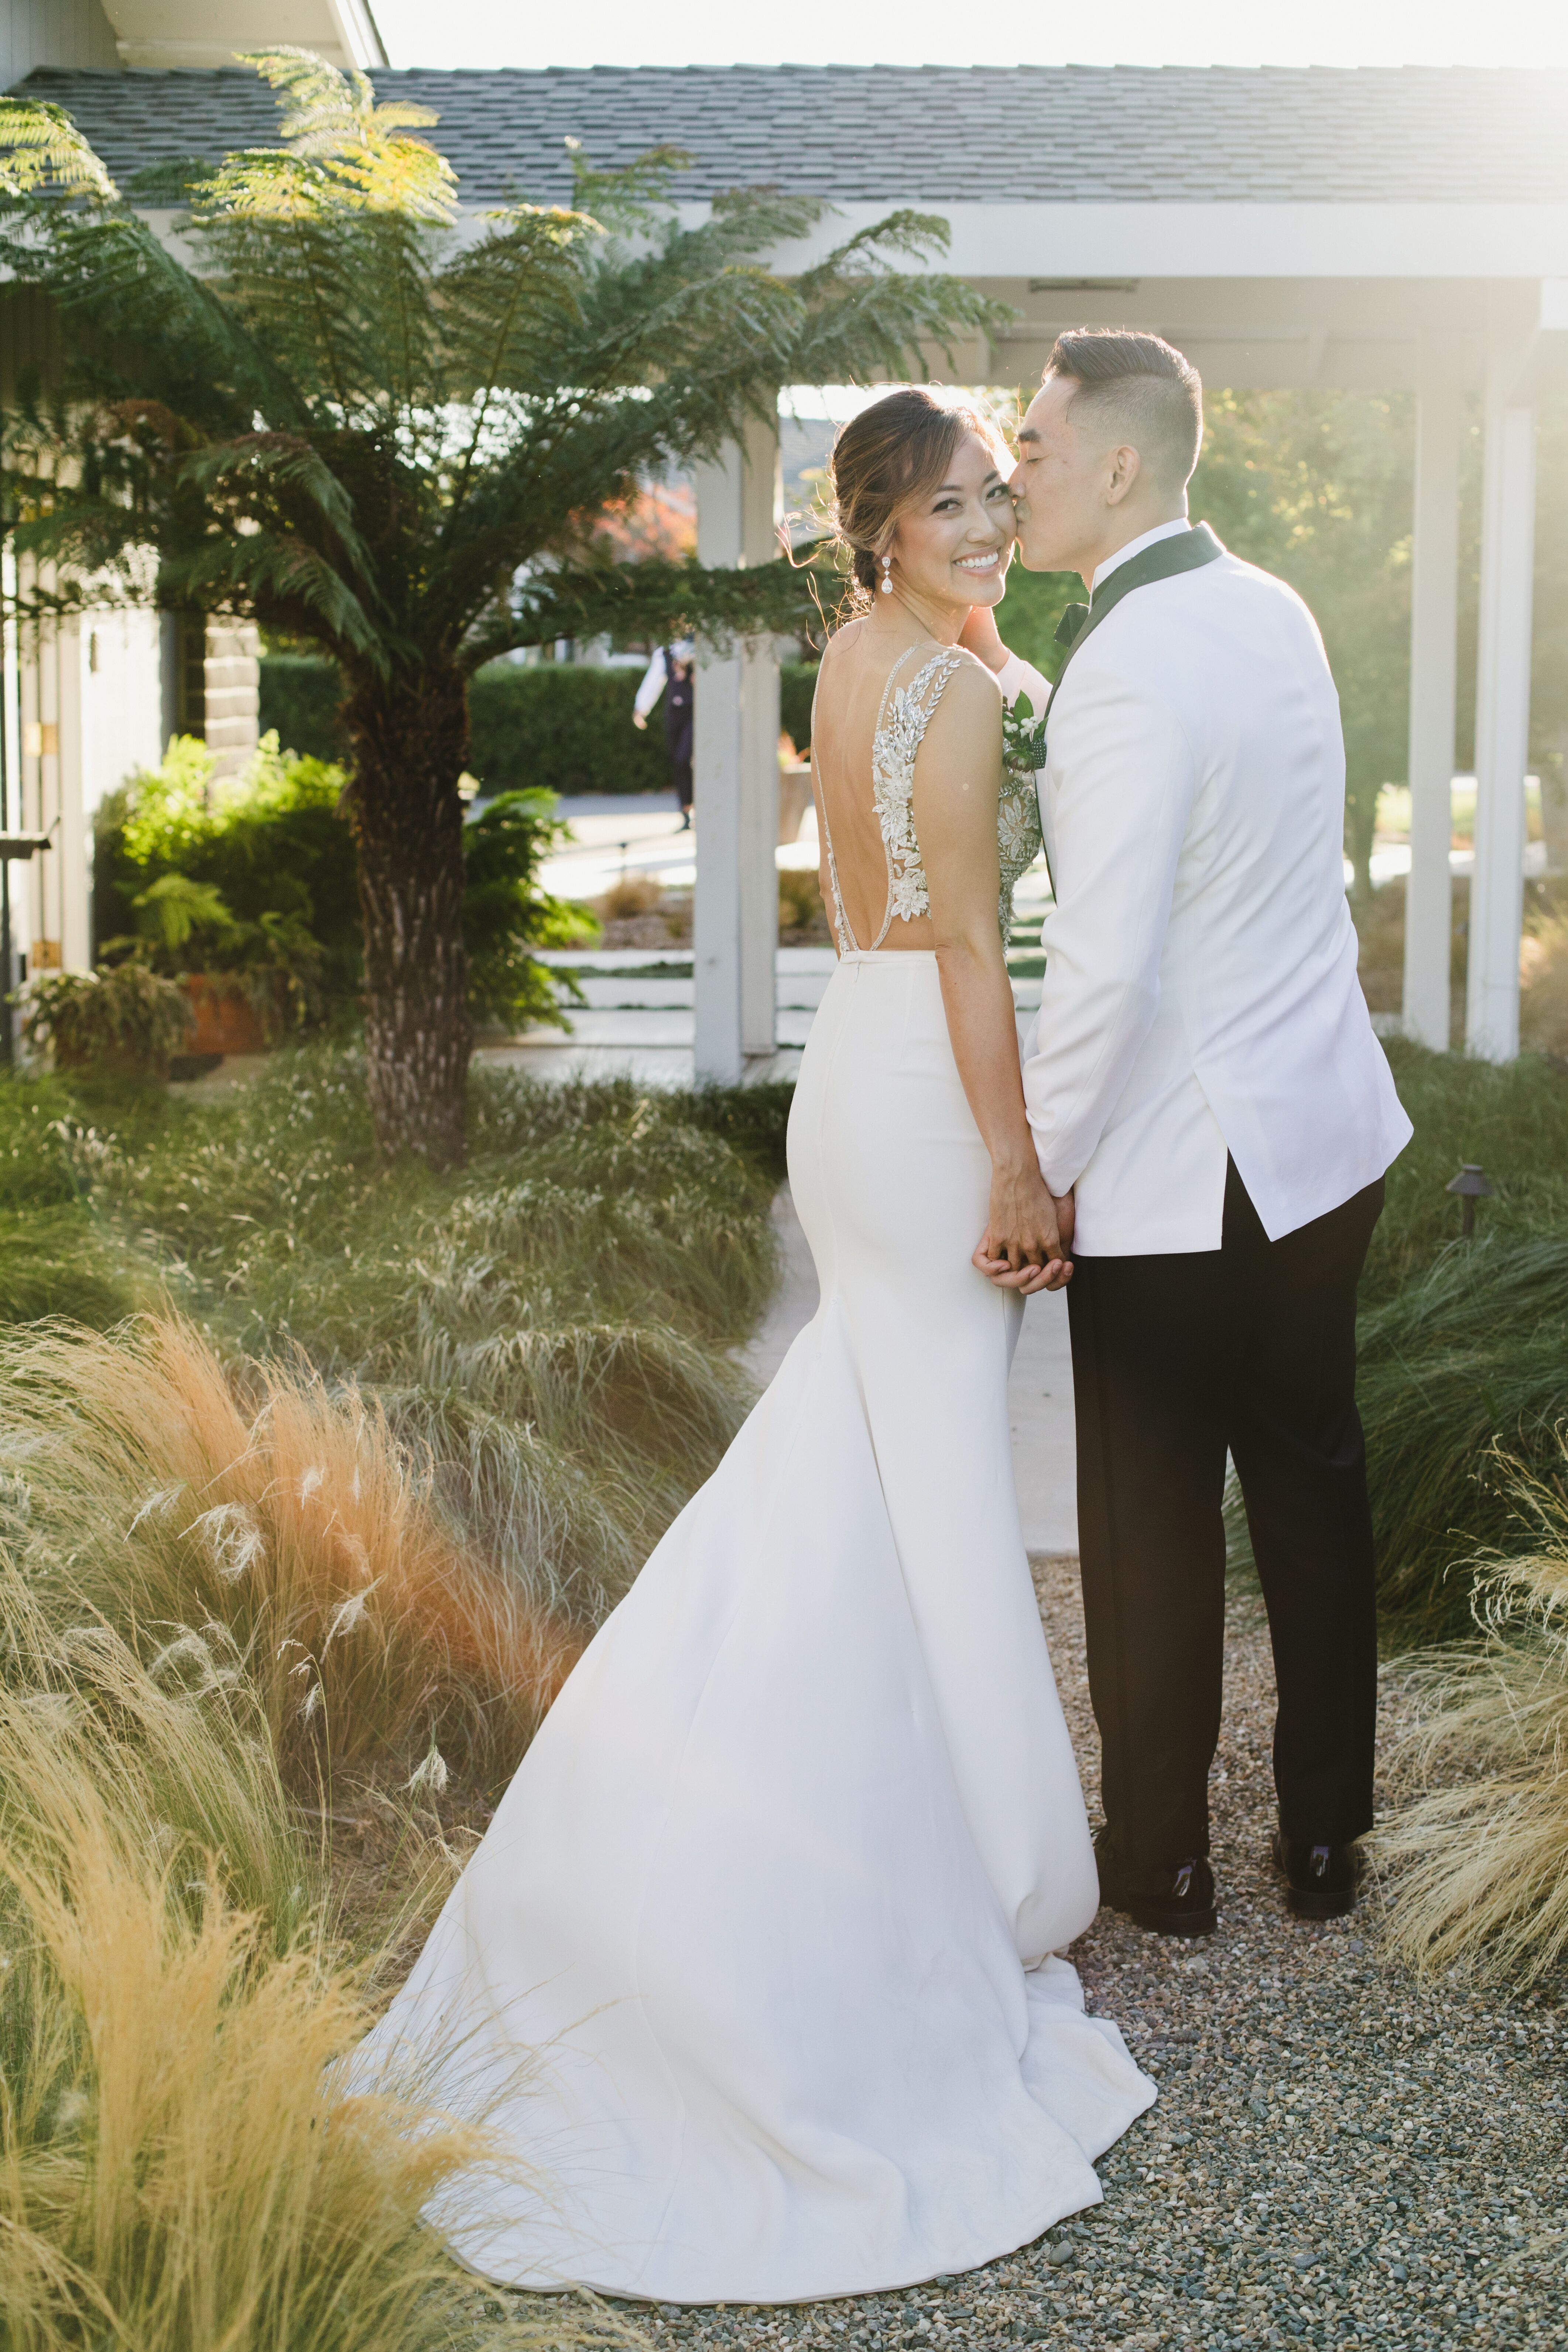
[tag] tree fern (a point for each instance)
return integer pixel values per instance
(332, 406)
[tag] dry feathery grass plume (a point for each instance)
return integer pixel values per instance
(1476, 1866)
(180, 2166)
(159, 1491)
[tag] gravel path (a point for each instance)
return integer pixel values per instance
(1338, 2155)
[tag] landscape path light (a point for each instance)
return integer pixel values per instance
(1471, 1185)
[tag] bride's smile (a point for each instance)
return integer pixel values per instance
(951, 552)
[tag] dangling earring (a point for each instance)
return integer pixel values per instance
(887, 568)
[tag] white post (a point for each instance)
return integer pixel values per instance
(762, 511)
(1433, 607)
(735, 779)
(1502, 714)
(716, 802)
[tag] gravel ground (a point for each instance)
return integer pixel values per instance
(1339, 2156)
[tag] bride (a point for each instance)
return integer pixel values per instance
(754, 1970)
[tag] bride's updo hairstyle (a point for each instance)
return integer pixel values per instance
(888, 459)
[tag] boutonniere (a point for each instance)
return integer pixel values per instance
(1023, 738)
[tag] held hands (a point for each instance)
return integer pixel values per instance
(1028, 1233)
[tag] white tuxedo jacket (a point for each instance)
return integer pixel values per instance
(1200, 993)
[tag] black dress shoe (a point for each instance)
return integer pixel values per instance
(1175, 1899)
(1320, 1880)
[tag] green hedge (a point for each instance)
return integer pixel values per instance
(299, 697)
(564, 726)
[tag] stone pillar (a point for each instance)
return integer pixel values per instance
(1502, 713)
(1434, 602)
(231, 693)
(735, 779)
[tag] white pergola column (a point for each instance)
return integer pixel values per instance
(1434, 613)
(1502, 713)
(735, 777)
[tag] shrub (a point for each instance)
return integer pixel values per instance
(560, 726)
(254, 875)
(257, 876)
(567, 726)
(121, 1017)
(563, 727)
(300, 697)
(505, 911)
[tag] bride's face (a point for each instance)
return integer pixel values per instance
(955, 546)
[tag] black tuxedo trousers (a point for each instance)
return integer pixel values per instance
(1176, 1359)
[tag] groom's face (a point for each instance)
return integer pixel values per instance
(1060, 484)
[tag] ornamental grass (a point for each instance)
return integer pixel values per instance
(1475, 1864)
(184, 1502)
(180, 2164)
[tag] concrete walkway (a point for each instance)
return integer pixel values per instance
(1039, 1394)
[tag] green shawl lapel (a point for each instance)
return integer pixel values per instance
(1183, 551)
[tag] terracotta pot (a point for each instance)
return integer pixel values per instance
(225, 1021)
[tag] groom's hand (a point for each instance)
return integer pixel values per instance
(1027, 1238)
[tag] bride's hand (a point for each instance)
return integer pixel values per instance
(1028, 1233)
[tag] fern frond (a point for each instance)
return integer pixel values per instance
(344, 151)
(40, 144)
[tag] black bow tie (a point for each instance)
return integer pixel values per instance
(1072, 620)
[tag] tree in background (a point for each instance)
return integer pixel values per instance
(1317, 487)
(370, 433)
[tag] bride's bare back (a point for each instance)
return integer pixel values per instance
(874, 700)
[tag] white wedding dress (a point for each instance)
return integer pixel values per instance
(754, 1970)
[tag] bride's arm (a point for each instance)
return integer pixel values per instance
(982, 637)
(957, 775)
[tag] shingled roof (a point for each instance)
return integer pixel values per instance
(1125, 135)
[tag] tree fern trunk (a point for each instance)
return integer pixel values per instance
(410, 739)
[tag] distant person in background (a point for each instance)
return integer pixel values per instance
(671, 674)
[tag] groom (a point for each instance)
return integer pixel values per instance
(1204, 1081)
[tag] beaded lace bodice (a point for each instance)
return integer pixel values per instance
(901, 722)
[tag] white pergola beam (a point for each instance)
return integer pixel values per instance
(1434, 616)
(1502, 711)
(735, 778)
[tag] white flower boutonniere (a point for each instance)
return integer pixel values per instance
(1023, 738)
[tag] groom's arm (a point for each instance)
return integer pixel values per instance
(1124, 778)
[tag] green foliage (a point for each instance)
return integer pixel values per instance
(1463, 1380)
(1317, 488)
(121, 1017)
(1035, 602)
(505, 912)
(251, 876)
(563, 727)
(300, 697)
(1514, 1119)
(549, 1328)
(327, 408)
(797, 684)
(1463, 1346)
(358, 426)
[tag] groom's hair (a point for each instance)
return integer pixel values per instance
(1140, 389)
